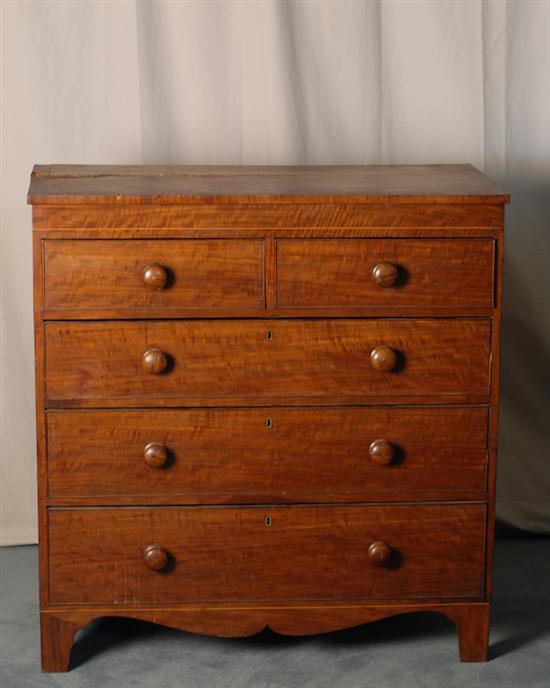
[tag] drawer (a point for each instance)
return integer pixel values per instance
(137, 274)
(388, 273)
(265, 553)
(258, 361)
(265, 455)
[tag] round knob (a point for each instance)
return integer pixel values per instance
(155, 454)
(385, 274)
(382, 452)
(154, 361)
(383, 358)
(379, 554)
(155, 557)
(154, 276)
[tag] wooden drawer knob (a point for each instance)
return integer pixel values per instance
(383, 358)
(154, 276)
(155, 454)
(155, 557)
(155, 361)
(379, 554)
(382, 452)
(385, 274)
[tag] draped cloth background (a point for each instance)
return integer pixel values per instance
(284, 82)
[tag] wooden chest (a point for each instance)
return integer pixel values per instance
(266, 396)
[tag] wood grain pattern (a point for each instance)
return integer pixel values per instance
(350, 219)
(473, 633)
(327, 358)
(271, 454)
(290, 619)
(56, 640)
(203, 273)
(185, 313)
(41, 430)
(323, 273)
(379, 184)
(493, 435)
(229, 553)
(289, 451)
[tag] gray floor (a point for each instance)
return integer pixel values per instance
(409, 651)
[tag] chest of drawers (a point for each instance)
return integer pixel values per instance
(265, 396)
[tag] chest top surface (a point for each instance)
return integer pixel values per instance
(177, 184)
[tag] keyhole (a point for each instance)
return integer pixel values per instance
(268, 423)
(269, 335)
(268, 521)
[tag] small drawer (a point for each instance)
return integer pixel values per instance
(267, 455)
(388, 273)
(185, 554)
(154, 274)
(254, 361)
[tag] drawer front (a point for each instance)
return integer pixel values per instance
(389, 273)
(265, 553)
(184, 273)
(273, 454)
(254, 361)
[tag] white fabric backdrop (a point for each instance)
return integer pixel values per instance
(286, 82)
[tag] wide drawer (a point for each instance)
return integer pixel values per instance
(265, 455)
(265, 553)
(138, 274)
(389, 273)
(257, 361)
